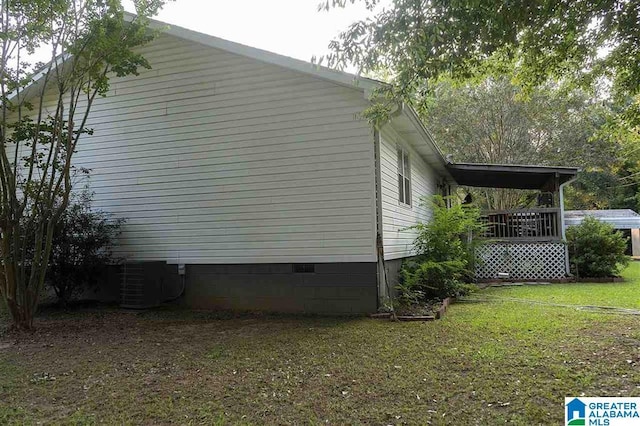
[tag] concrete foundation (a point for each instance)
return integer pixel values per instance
(327, 288)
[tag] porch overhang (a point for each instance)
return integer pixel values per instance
(511, 176)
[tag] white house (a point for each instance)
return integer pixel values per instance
(249, 180)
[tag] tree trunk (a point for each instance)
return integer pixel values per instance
(21, 316)
(22, 291)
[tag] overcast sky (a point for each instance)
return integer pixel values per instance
(293, 28)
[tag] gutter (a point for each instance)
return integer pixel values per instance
(425, 134)
(384, 292)
(562, 228)
(561, 193)
(413, 116)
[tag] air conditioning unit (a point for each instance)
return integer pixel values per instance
(142, 285)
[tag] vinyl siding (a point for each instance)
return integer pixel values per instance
(213, 157)
(398, 242)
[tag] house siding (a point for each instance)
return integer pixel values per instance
(396, 217)
(215, 158)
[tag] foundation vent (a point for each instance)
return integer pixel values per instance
(304, 268)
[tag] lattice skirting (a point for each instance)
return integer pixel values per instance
(531, 261)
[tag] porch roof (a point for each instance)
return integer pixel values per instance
(511, 175)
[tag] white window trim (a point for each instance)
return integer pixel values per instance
(400, 150)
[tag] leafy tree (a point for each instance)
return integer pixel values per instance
(603, 189)
(81, 248)
(596, 249)
(584, 43)
(420, 40)
(89, 40)
(493, 121)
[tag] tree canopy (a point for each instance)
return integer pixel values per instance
(421, 40)
(491, 121)
(591, 48)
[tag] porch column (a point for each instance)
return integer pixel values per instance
(635, 242)
(562, 231)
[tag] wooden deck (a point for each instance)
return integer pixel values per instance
(535, 224)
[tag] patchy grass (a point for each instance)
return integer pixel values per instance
(484, 363)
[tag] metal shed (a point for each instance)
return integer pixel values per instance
(621, 219)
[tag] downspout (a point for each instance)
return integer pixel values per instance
(562, 228)
(384, 291)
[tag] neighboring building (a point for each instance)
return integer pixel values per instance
(625, 220)
(249, 180)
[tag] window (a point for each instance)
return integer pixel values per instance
(404, 177)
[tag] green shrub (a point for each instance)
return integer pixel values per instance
(447, 236)
(81, 248)
(434, 280)
(445, 255)
(596, 249)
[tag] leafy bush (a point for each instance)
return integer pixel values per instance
(82, 247)
(447, 236)
(596, 249)
(445, 255)
(435, 280)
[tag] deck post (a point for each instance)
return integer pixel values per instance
(635, 242)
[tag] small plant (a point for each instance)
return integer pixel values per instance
(435, 280)
(596, 249)
(445, 255)
(81, 248)
(408, 294)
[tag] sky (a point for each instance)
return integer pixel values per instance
(292, 28)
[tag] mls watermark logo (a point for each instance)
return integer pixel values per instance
(575, 414)
(601, 411)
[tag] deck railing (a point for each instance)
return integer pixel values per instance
(535, 224)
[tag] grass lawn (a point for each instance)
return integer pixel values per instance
(624, 295)
(484, 363)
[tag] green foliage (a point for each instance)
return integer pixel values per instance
(90, 41)
(501, 124)
(494, 121)
(445, 254)
(81, 248)
(447, 236)
(607, 188)
(429, 280)
(596, 249)
(622, 130)
(583, 44)
(417, 42)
